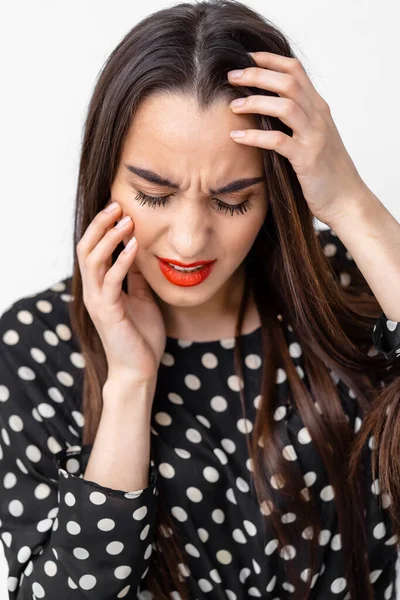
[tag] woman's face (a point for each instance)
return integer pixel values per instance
(172, 138)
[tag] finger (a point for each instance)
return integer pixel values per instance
(137, 284)
(286, 110)
(99, 261)
(96, 230)
(112, 285)
(270, 140)
(286, 85)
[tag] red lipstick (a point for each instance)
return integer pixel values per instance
(185, 279)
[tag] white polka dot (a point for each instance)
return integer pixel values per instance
(253, 361)
(87, 582)
(42, 491)
(106, 524)
(77, 360)
(220, 454)
(338, 585)
(140, 513)
(209, 360)
(63, 332)
(271, 547)
(55, 395)
(11, 337)
(190, 549)
(115, 548)
(37, 589)
(194, 494)
(163, 418)
(224, 557)
(25, 317)
(310, 478)
(78, 417)
(210, 474)
(73, 527)
(44, 525)
(193, 435)
(304, 436)
(203, 535)
(203, 421)
(80, 553)
(327, 493)
(219, 404)
(182, 453)
(324, 537)
(9, 480)
(205, 585)
(228, 445)
(374, 575)
(50, 568)
(244, 425)
(97, 498)
(12, 583)
(65, 378)
(277, 481)
(4, 393)
(179, 513)
(69, 499)
(16, 423)
(33, 453)
(16, 508)
(288, 552)
(242, 485)
(24, 554)
(192, 382)
(46, 410)
(38, 355)
(218, 516)
(50, 338)
(53, 445)
(239, 536)
(288, 517)
(280, 413)
(379, 531)
(231, 496)
(336, 543)
(167, 359)
(166, 470)
(250, 527)
(289, 453)
(235, 383)
(122, 572)
(295, 350)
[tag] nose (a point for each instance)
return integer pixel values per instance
(190, 230)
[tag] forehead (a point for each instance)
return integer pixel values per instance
(172, 128)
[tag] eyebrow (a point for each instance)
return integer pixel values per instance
(233, 186)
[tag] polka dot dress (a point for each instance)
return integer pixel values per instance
(66, 537)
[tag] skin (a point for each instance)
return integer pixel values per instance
(171, 136)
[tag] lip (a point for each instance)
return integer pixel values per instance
(186, 279)
(179, 264)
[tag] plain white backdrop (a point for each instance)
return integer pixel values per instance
(50, 56)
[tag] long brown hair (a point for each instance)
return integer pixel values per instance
(189, 48)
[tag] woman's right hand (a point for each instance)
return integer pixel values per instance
(131, 326)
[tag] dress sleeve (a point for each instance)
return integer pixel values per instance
(63, 536)
(386, 333)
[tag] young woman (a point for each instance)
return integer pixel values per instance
(176, 430)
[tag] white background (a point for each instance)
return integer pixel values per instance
(51, 54)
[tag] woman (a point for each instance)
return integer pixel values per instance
(129, 468)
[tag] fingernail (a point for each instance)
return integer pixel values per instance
(111, 207)
(237, 102)
(235, 74)
(130, 244)
(123, 222)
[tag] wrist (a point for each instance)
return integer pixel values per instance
(120, 389)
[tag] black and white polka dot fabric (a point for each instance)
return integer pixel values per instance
(65, 537)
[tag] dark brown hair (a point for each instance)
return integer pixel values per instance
(188, 49)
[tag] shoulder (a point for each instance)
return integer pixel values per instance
(41, 367)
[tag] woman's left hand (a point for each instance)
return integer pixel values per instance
(328, 177)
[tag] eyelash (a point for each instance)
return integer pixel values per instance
(153, 201)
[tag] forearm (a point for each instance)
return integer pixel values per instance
(121, 450)
(372, 236)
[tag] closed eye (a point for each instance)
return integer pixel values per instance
(154, 201)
